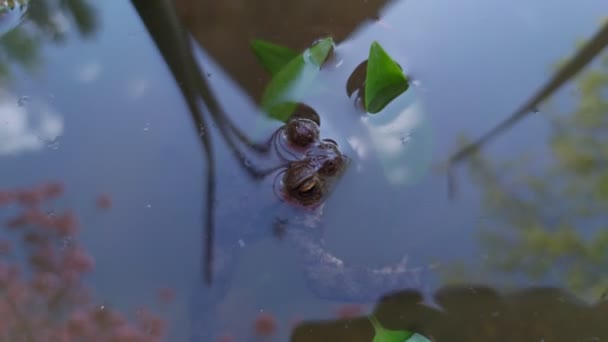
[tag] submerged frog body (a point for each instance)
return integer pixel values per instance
(312, 168)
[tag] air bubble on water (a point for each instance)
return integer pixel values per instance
(23, 100)
(405, 139)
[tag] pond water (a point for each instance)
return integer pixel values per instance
(87, 99)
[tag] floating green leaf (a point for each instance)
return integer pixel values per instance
(385, 79)
(293, 81)
(321, 50)
(385, 335)
(272, 57)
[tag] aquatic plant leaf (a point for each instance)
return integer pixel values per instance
(385, 80)
(294, 80)
(321, 50)
(272, 57)
(385, 335)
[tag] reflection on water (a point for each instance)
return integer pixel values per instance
(547, 207)
(473, 313)
(226, 28)
(47, 21)
(11, 14)
(125, 130)
(27, 125)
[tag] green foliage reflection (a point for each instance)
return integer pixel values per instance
(550, 218)
(21, 46)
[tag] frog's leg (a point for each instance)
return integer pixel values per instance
(332, 278)
(205, 299)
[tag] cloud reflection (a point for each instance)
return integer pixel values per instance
(88, 72)
(27, 128)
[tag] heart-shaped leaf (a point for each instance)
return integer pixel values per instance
(272, 57)
(294, 80)
(385, 79)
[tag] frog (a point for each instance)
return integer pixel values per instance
(310, 169)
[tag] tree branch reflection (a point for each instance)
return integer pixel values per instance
(174, 44)
(590, 50)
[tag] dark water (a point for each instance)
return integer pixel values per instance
(96, 107)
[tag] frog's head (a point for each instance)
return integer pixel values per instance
(310, 180)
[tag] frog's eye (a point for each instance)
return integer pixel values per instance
(302, 132)
(308, 188)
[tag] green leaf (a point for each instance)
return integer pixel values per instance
(385, 79)
(294, 80)
(321, 50)
(272, 57)
(385, 335)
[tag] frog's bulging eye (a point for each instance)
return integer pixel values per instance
(308, 188)
(302, 132)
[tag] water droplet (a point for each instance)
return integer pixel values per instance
(67, 242)
(23, 100)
